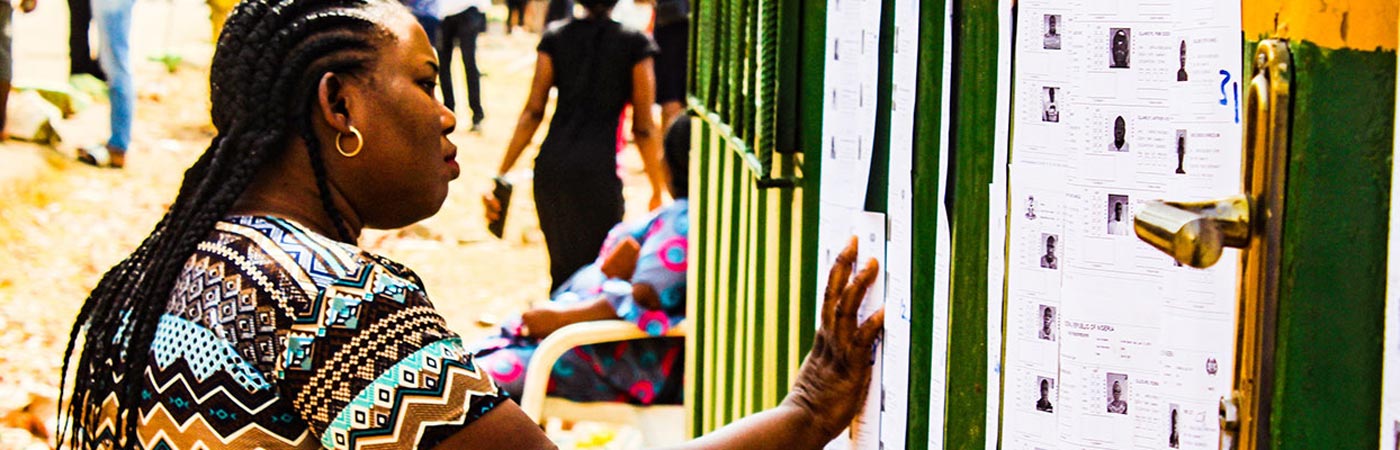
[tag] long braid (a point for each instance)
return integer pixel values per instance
(273, 52)
(318, 164)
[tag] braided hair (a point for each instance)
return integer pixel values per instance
(263, 81)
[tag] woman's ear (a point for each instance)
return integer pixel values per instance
(332, 103)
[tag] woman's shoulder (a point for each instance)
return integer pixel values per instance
(288, 246)
(279, 261)
(634, 35)
(255, 272)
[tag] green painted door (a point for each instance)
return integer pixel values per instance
(1328, 357)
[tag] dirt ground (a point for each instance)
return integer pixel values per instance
(62, 224)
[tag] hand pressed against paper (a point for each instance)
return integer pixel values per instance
(833, 380)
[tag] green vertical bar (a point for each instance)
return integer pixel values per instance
(786, 121)
(734, 75)
(720, 296)
(740, 299)
(928, 117)
(1336, 214)
(722, 43)
(697, 308)
(762, 270)
(973, 124)
(878, 181)
(703, 68)
(786, 254)
(810, 110)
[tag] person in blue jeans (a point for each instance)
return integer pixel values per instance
(426, 11)
(463, 21)
(7, 62)
(114, 29)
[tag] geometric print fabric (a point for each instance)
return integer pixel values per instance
(272, 332)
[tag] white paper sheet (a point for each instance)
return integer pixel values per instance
(869, 228)
(1108, 343)
(1390, 381)
(848, 125)
(848, 139)
(894, 370)
(996, 222)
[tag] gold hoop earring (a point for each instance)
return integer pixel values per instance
(359, 143)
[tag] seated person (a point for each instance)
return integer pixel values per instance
(639, 277)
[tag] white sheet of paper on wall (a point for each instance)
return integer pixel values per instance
(1390, 381)
(1106, 340)
(869, 229)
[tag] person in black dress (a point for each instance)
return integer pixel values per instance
(560, 10)
(598, 66)
(672, 35)
(515, 14)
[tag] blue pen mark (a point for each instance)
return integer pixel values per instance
(1224, 99)
(1237, 103)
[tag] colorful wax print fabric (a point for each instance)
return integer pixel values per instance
(276, 337)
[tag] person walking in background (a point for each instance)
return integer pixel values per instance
(599, 66)
(515, 14)
(7, 63)
(427, 13)
(639, 277)
(114, 29)
(464, 21)
(80, 59)
(560, 10)
(672, 34)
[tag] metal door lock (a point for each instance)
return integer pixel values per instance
(1196, 233)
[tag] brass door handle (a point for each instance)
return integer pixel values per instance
(1196, 233)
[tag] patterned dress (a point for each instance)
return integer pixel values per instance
(276, 337)
(645, 371)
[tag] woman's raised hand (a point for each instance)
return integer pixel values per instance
(832, 382)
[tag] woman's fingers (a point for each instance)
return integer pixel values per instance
(840, 273)
(868, 331)
(853, 296)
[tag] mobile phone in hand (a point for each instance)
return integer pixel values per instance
(502, 193)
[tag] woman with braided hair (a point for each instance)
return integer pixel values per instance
(250, 319)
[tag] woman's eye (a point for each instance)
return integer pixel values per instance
(428, 86)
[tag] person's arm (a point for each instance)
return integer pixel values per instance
(525, 128)
(504, 427)
(829, 389)
(541, 322)
(645, 131)
(830, 385)
(533, 113)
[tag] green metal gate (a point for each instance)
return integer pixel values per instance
(757, 88)
(757, 91)
(752, 281)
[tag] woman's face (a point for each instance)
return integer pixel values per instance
(401, 176)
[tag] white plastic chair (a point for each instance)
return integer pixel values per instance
(660, 424)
